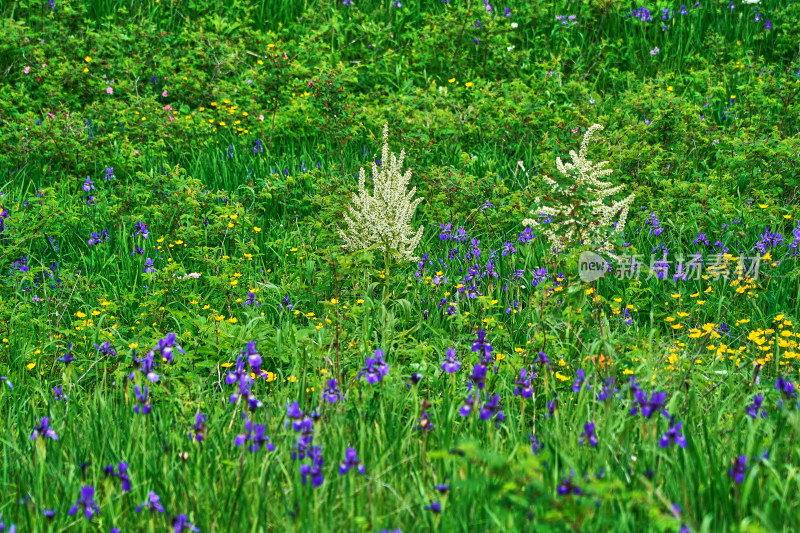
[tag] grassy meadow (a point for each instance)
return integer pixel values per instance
(187, 344)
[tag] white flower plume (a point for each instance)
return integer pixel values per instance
(587, 219)
(382, 219)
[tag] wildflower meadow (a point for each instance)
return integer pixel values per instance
(407, 265)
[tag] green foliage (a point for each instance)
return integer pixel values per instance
(234, 131)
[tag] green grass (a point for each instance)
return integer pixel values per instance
(705, 133)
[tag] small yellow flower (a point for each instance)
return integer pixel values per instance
(133, 345)
(232, 320)
(468, 84)
(561, 376)
(256, 229)
(334, 301)
(95, 313)
(30, 366)
(670, 88)
(452, 80)
(87, 59)
(80, 314)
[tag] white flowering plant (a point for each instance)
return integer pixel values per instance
(381, 220)
(580, 206)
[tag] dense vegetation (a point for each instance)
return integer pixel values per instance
(187, 344)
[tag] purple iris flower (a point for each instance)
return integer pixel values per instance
(673, 435)
(152, 503)
(375, 368)
(483, 348)
(785, 387)
(313, 470)
(180, 524)
(580, 379)
(739, 469)
(567, 487)
(44, 430)
(526, 236)
(478, 376)
(254, 433)
(332, 393)
(121, 473)
(251, 300)
(752, 410)
(253, 357)
(199, 427)
(469, 404)
(648, 406)
(523, 385)
(86, 502)
(148, 266)
(166, 346)
(508, 248)
(144, 406)
(492, 408)
(141, 229)
(536, 445)
(701, 238)
(589, 434)
(67, 357)
(147, 365)
(351, 460)
(451, 364)
(106, 349)
(434, 507)
(608, 390)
